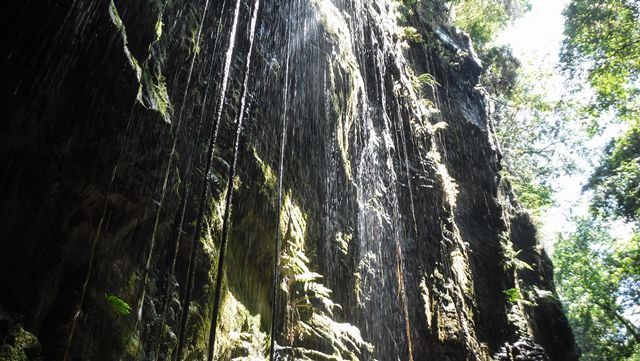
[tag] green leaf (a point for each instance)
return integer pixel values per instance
(118, 304)
(513, 294)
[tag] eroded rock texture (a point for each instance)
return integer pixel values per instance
(365, 150)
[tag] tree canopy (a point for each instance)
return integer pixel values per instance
(602, 43)
(598, 276)
(599, 283)
(616, 181)
(483, 19)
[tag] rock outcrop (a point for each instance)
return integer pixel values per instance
(350, 142)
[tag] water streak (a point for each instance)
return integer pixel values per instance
(276, 263)
(186, 297)
(110, 190)
(229, 200)
(188, 172)
(167, 173)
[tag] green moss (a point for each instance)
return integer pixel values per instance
(131, 343)
(410, 34)
(161, 98)
(513, 294)
(158, 28)
(450, 187)
(270, 179)
(240, 331)
(346, 86)
(22, 346)
(117, 22)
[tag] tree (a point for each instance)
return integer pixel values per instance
(598, 280)
(532, 129)
(599, 277)
(602, 42)
(616, 182)
(483, 19)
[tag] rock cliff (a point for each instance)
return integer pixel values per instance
(314, 178)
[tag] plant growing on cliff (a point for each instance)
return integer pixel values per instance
(411, 34)
(425, 79)
(118, 305)
(513, 294)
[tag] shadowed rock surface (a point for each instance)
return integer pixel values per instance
(399, 239)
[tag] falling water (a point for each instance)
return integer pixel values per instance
(384, 223)
(185, 196)
(283, 142)
(105, 207)
(186, 298)
(232, 172)
(168, 169)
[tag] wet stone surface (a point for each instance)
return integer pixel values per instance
(141, 140)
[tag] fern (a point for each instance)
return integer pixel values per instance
(513, 294)
(427, 79)
(118, 304)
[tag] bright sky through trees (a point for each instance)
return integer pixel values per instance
(536, 40)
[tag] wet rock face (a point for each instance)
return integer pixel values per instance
(365, 157)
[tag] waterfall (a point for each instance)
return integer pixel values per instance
(186, 299)
(263, 180)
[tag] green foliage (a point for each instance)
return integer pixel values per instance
(411, 34)
(532, 129)
(616, 182)
(513, 295)
(483, 19)
(534, 194)
(118, 304)
(511, 260)
(501, 71)
(602, 43)
(597, 279)
(480, 19)
(405, 9)
(425, 79)
(598, 276)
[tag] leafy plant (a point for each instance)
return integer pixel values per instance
(411, 34)
(602, 47)
(513, 295)
(597, 278)
(483, 19)
(425, 79)
(616, 182)
(118, 304)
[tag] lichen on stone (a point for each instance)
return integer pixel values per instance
(20, 346)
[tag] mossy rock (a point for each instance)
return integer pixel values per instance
(20, 346)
